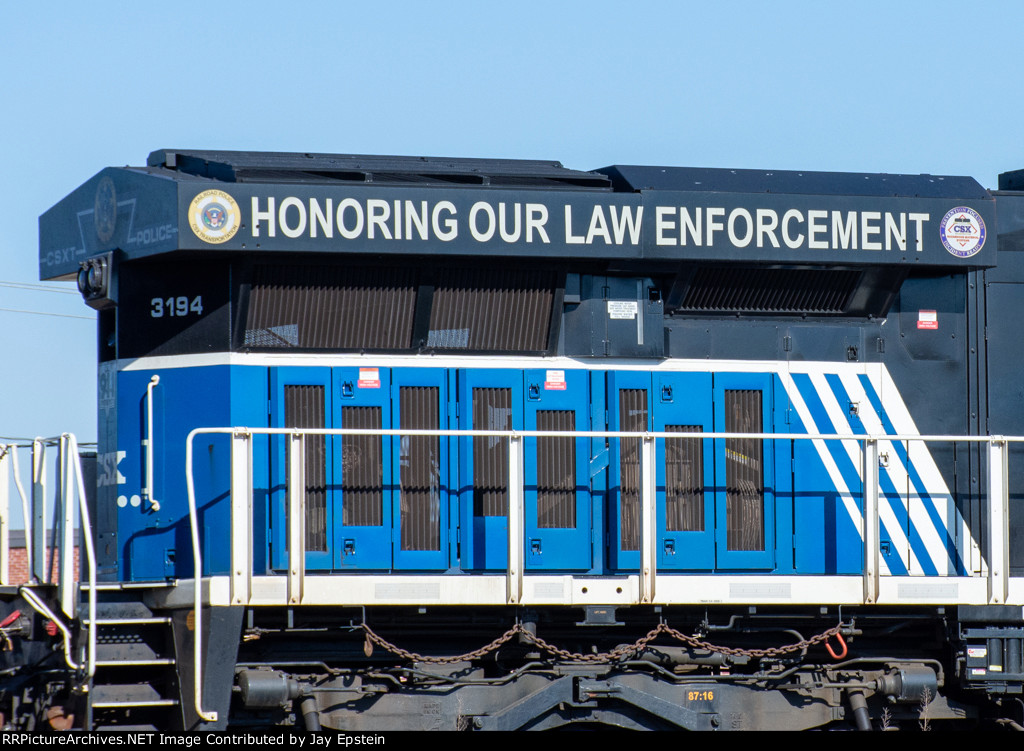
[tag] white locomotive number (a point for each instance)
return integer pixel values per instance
(176, 306)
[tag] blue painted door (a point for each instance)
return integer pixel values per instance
(685, 472)
(488, 400)
(362, 469)
(558, 513)
(629, 400)
(419, 469)
(744, 472)
(301, 398)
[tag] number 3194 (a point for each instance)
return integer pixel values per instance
(175, 306)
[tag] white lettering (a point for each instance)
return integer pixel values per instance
(791, 242)
(662, 225)
(767, 223)
(378, 212)
(598, 226)
(513, 236)
(626, 221)
(689, 226)
(357, 230)
(897, 232)
(451, 230)
(488, 233)
(844, 232)
(712, 225)
(867, 229)
(282, 217)
(570, 238)
(258, 215)
(741, 242)
(420, 220)
(536, 218)
(814, 228)
(918, 220)
(324, 219)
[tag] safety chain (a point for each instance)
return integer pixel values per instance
(614, 655)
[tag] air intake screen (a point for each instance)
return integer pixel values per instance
(420, 469)
(330, 307)
(304, 408)
(744, 472)
(484, 309)
(764, 290)
(632, 419)
(492, 410)
(362, 469)
(556, 471)
(684, 481)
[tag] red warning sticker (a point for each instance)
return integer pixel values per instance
(927, 319)
(554, 380)
(369, 378)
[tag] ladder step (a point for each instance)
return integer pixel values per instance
(134, 704)
(111, 695)
(152, 620)
(126, 663)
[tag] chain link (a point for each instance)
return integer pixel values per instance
(614, 655)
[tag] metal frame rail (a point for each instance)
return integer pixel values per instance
(241, 576)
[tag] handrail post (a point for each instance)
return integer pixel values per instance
(68, 600)
(147, 442)
(85, 524)
(648, 556)
(998, 522)
(37, 564)
(296, 516)
(241, 517)
(5, 509)
(516, 516)
(869, 482)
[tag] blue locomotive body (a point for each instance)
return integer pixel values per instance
(447, 399)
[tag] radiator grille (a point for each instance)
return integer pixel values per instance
(420, 469)
(556, 471)
(684, 480)
(304, 408)
(632, 419)
(330, 307)
(492, 410)
(744, 472)
(362, 469)
(765, 290)
(485, 309)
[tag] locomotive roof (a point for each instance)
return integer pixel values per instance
(248, 202)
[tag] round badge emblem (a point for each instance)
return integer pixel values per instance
(214, 216)
(962, 231)
(105, 210)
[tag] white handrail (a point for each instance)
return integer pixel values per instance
(147, 491)
(242, 486)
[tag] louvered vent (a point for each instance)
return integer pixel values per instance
(684, 481)
(362, 469)
(420, 469)
(330, 307)
(304, 408)
(744, 472)
(738, 289)
(632, 419)
(556, 471)
(492, 410)
(492, 309)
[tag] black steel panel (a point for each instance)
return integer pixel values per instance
(632, 419)
(420, 469)
(362, 469)
(492, 410)
(304, 407)
(744, 471)
(684, 481)
(748, 289)
(330, 307)
(556, 471)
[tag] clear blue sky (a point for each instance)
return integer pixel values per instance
(905, 87)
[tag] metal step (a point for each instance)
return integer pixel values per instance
(116, 696)
(135, 662)
(147, 621)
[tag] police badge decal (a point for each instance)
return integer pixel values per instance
(214, 216)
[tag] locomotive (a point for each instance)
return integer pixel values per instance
(427, 443)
